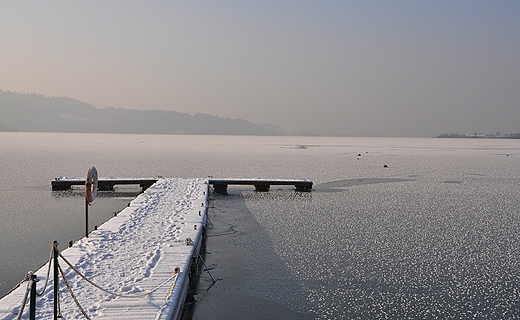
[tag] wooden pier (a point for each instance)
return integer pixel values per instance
(219, 185)
(104, 184)
(137, 265)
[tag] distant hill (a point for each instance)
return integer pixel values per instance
(38, 113)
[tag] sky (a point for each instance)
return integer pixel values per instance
(361, 68)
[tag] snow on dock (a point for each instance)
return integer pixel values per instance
(135, 255)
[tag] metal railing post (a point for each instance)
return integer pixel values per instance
(32, 305)
(56, 279)
(86, 218)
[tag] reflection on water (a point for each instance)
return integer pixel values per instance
(340, 185)
(252, 281)
(80, 193)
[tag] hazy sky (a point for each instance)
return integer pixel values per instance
(418, 68)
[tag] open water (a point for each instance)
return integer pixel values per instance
(434, 234)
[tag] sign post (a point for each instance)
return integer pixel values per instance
(91, 185)
(86, 218)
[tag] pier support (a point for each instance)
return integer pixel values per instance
(220, 188)
(104, 184)
(303, 188)
(145, 186)
(105, 187)
(262, 187)
(61, 186)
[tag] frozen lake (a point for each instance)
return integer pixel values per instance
(432, 234)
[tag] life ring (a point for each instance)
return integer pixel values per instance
(91, 184)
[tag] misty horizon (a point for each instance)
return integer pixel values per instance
(23, 112)
(370, 68)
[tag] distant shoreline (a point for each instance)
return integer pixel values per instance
(481, 135)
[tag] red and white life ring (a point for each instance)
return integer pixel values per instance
(91, 184)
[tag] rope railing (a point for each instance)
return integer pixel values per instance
(110, 292)
(31, 278)
(171, 287)
(39, 294)
(24, 301)
(55, 253)
(173, 277)
(72, 294)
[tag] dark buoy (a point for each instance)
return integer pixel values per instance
(385, 166)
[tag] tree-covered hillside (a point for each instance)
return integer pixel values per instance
(38, 113)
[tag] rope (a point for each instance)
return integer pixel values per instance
(209, 224)
(174, 276)
(24, 301)
(109, 292)
(29, 284)
(163, 304)
(170, 289)
(72, 294)
(39, 294)
(207, 269)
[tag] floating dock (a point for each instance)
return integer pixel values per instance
(220, 185)
(137, 265)
(104, 184)
(143, 258)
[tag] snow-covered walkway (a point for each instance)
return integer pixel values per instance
(132, 254)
